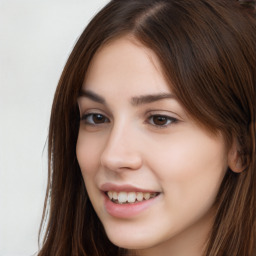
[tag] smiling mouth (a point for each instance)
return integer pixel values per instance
(129, 197)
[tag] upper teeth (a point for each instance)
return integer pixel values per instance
(130, 197)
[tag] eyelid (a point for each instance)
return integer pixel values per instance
(160, 112)
(86, 111)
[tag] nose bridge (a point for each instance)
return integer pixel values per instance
(121, 149)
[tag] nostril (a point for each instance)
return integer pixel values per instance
(121, 160)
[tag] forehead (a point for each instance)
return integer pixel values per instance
(124, 64)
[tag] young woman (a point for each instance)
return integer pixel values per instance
(152, 133)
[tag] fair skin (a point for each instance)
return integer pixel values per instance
(150, 143)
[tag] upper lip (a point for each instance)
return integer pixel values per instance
(123, 188)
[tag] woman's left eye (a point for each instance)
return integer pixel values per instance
(161, 120)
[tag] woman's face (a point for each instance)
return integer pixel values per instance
(137, 142)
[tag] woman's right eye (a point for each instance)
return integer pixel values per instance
(94, 119)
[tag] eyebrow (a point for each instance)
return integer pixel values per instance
(135, 101)
(92, 96)
(145, 99)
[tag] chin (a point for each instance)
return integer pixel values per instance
(130, 243)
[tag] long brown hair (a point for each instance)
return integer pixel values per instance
(207, 52)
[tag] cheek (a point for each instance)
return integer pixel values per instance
(184, 156)
(88, 151)
(190, 168)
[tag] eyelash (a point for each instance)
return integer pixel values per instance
(88, 120)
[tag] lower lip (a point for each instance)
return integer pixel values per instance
(127, 210)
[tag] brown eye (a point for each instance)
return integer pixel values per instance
(159, 120)
(94, 119)
(98, 119)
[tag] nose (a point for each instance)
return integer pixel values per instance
(121, 151)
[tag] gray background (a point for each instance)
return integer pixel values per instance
(36, 38)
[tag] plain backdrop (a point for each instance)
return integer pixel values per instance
(36, 38)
